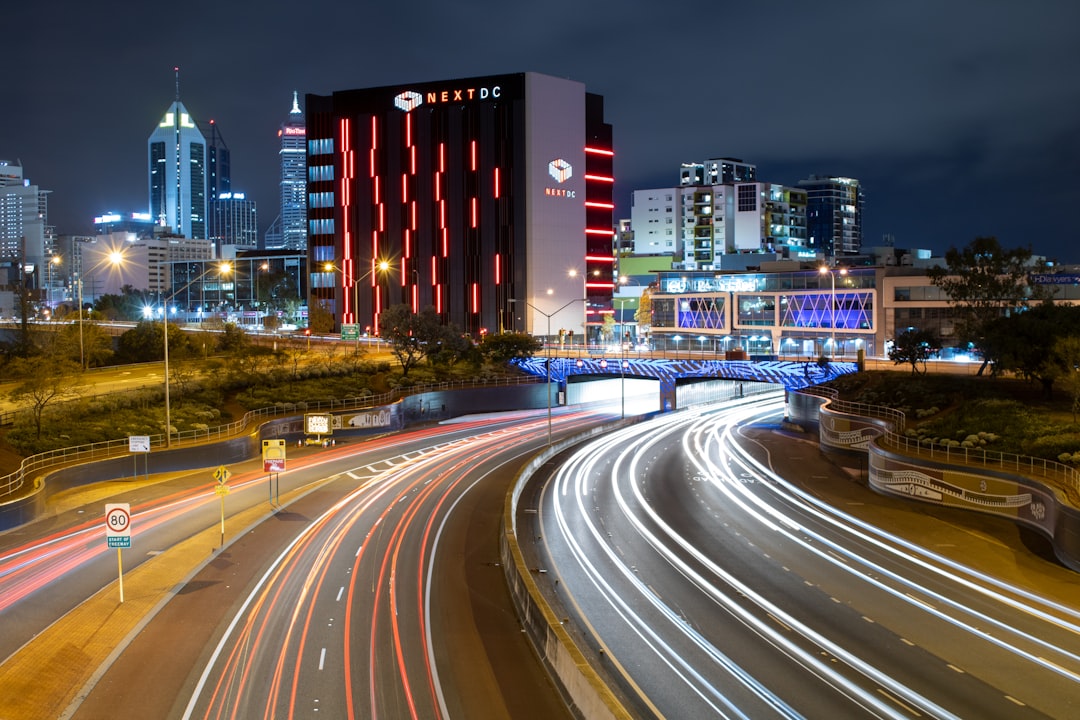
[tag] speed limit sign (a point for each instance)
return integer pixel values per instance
(118, 525)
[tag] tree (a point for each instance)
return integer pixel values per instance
(984, 282)
(146, 343)
(1066, 356)
(502, 347)
(47, 379)
(643, 314)
(233, 339)
(915, 346)
(320, 320)
(1023, 342)
(397, 325)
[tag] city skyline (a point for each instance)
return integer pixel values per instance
(956, 119)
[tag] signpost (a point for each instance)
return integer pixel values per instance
(139, 444)
(118, 534)
(273, 453)
(350, 332)
(222, 474)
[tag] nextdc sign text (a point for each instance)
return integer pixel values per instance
(410, 100)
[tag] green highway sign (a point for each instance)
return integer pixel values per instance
(350, 332)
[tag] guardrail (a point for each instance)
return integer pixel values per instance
(13, 482)
(892, 438)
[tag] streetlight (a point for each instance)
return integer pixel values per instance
(329, 267)
(826, 270)
(223, 269)
(677, 339)
(116, 258)
(54, 260)
(701, 344)
(548, 363)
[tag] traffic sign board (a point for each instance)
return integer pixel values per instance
(350, 331)
(139, 443)
(222, 474)
(118, 524)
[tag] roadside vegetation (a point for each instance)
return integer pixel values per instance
(219, 373)
(1005, 414)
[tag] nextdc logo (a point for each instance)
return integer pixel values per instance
(560, 170)
(408, 100)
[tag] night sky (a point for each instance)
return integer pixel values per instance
(959, 116)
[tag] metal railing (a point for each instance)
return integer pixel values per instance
(1064, 476)
(31, 466)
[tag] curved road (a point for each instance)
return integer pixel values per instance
(707, 585)
(377, 594)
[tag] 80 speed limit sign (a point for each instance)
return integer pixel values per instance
(118, 525)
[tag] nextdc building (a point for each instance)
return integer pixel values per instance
(487, 198)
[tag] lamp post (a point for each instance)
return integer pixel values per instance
(330, 267)
(115, 258)
(677, 339)
(824, 269)
(222, 269)
(548, 362)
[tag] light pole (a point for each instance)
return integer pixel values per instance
(330, 267)
(222, 269)
(54, 260)
(824, 269)
(677, 339)
(548, 363)
(116, 258)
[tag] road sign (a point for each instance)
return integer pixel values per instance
(118, 525)
(221, 490)
(273, 453)
(139, 443)
(222, 474)
(350, 332)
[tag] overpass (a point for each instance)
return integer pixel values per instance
(670, 374)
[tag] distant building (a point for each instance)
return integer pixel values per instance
(234, 221)
(488, 199)
(292, 233)
(699, 225)
(24, 231)
(719, 171)
(218, 164)
(833, 215)
(177, 172)
(139, 224)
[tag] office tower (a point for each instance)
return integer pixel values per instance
(289, 232)
(487, 199)
(833, 215)
(234, 221)
(176, 152)
(218, 165)
(24, 209)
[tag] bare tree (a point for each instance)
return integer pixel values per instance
(47, 380)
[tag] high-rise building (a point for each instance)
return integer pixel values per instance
(291, 229)
(719, 171)
(488, 199)
(700, 224)
(176, 152)
(833, 214)
(218, 165)
(24, 231)
(234, 221)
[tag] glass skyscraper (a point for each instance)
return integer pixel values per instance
(291, 233)
(176, 153)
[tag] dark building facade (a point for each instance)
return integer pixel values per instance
(488, 199)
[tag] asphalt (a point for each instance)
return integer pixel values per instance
(54, 675)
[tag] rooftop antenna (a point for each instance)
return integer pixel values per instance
(176, 70)
(295, 104)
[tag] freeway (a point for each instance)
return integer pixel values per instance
(385, 565)
(706, 584)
